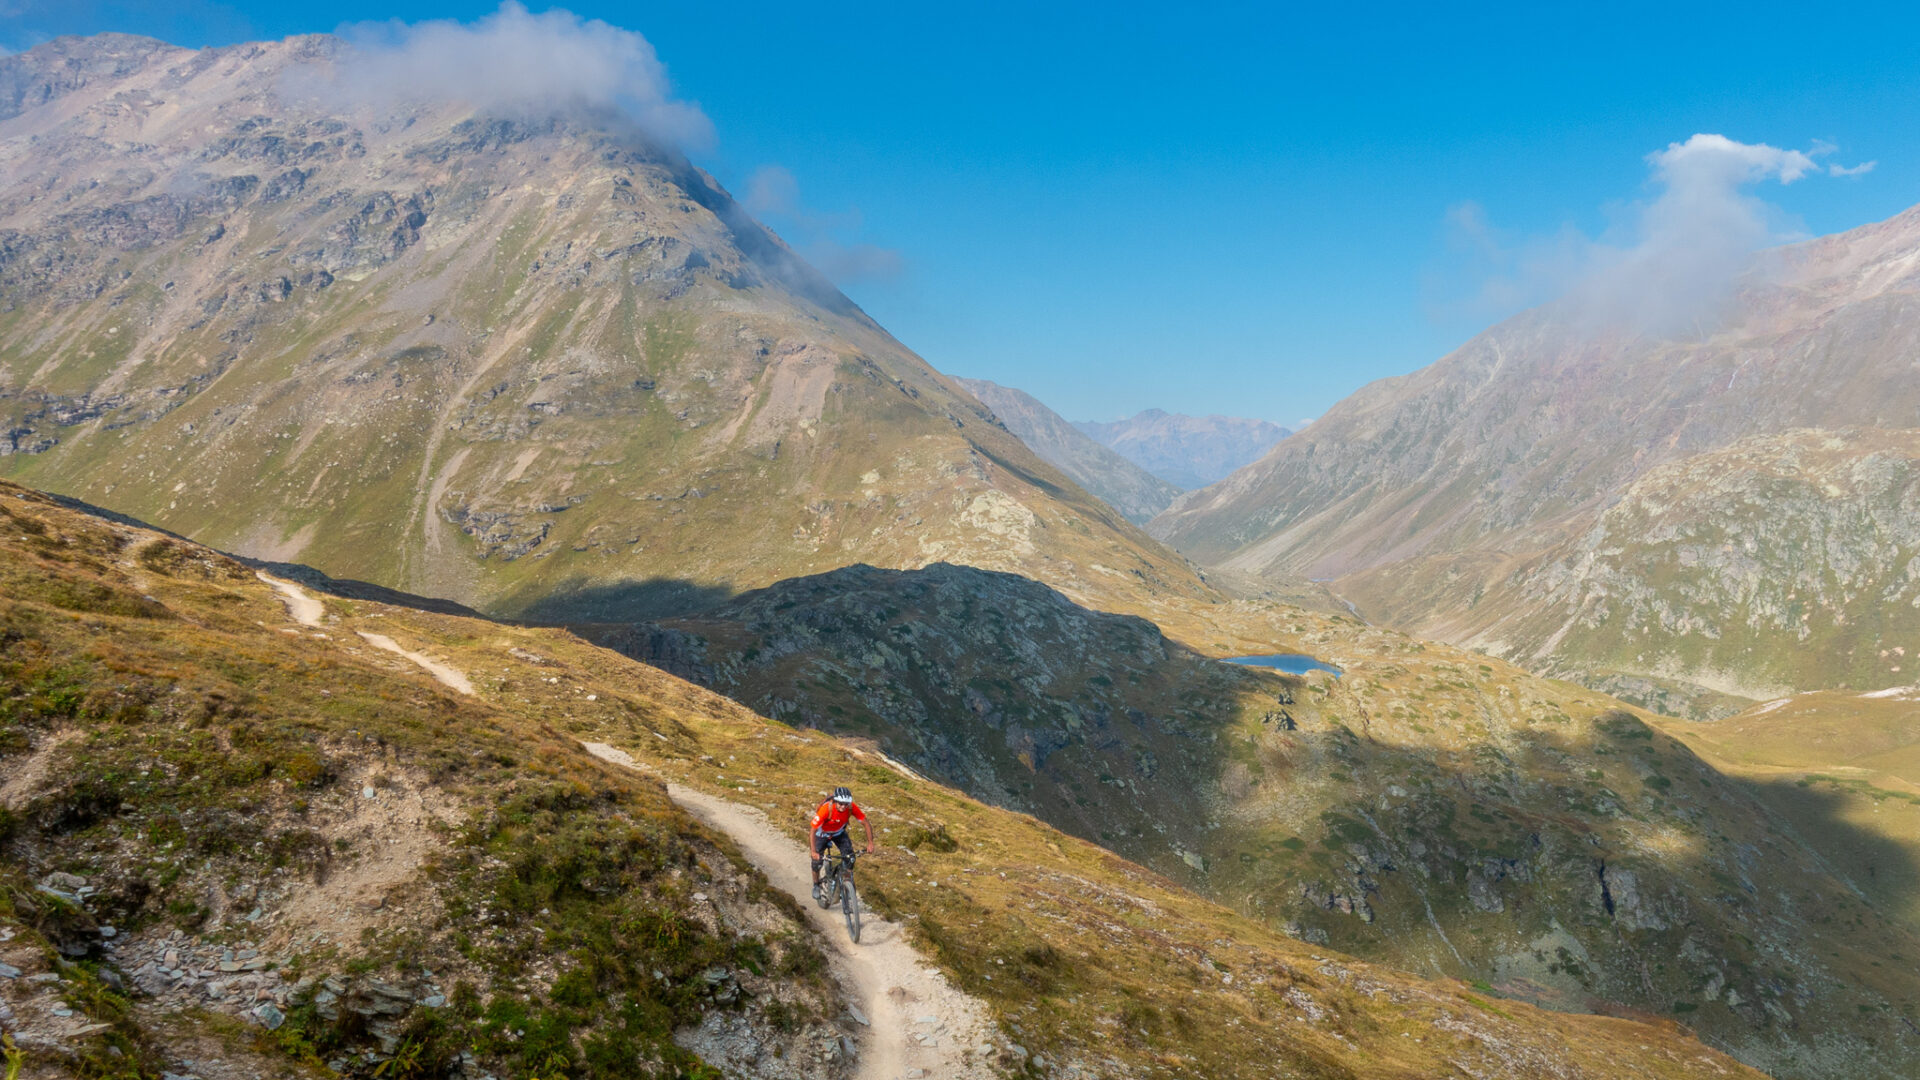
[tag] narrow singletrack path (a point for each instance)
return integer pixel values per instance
(301, 604)
(914, 1023)
(307, 610)
(917, 1024)
(448, 675)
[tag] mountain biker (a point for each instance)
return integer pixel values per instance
(830, 827)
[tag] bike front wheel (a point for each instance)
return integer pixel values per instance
(850, 906)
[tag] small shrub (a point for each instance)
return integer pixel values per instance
(935, 837)
(306, 769)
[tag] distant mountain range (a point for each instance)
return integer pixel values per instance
(1186, 451)
(1125, 486)
(1679, 519)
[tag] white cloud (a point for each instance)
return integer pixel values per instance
(827, 240)
(517, 63)
(1851, 170)
(772, 190)
(514, 61)
(1672, 261)
(856, 262)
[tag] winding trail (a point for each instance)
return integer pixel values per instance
(913, 1023)
(308, 611)
(916, 1025)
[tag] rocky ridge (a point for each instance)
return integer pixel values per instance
(1128, 488)
(1429, 808)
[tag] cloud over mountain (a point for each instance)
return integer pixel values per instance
(828, 240)
(1671, 262)
(515, 61)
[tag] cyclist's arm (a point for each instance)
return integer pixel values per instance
(869, 827)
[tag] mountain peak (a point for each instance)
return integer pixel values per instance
(522, 363)
(1464, 500)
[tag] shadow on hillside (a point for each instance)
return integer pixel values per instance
(856, 602)
(620, 602)
(350, 589)
(1881, 867)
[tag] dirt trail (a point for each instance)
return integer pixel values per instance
(307, 610)
(301, 604)
(448, 675)
(25, 778)
(917, 1025)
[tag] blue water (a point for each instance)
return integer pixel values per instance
(1291, 663)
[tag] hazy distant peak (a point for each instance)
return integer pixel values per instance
(1121, 484)
(1186, 451)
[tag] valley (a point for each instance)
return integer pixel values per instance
(446, 551)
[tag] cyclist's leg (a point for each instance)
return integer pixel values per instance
(844, 841)
(819, 845)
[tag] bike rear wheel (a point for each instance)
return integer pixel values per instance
(850, 906)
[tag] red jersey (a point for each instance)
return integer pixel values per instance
(830, 819)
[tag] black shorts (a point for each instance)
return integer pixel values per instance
(839, 839)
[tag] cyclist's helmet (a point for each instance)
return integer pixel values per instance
(842, 796)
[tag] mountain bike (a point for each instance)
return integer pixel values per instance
(836, 885)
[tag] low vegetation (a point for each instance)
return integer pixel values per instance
(191, 767)
(188, 763)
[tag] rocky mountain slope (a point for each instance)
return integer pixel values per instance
(242, 838)
(1429, 808)
(1540, 492)
(534, 362)
(1777, 562)
(1186, 451)
(1135, 492)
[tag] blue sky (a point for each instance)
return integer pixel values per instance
(1221, 208)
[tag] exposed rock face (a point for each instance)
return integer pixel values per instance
(538, 364)
(1128, 488)
(1186, 451)
(1780, 562)
(1449, 500)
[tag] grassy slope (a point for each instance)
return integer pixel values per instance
(1082, 956)
(1433, 808)
(192, 746)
